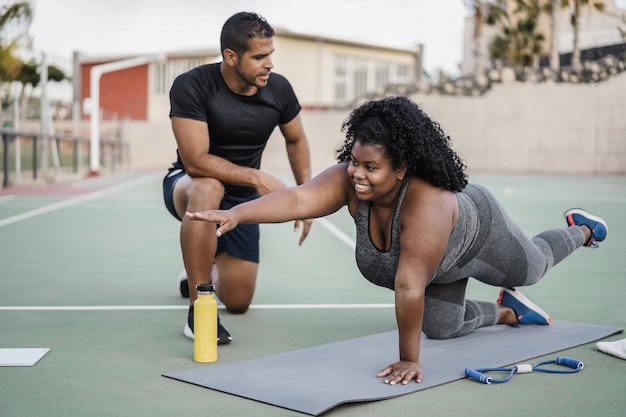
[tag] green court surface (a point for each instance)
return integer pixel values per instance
(88, 269)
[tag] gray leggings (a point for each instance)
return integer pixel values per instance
(502, 256)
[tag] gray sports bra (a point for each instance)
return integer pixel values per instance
(380, 267)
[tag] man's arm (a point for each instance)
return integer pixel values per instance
(300, 162)
(192, 138)
(297, 149)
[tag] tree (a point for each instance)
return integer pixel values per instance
(555, 62)
(15, 19)
(489, 12)
(575, 21)
(519, 43)
(530, 10)
(476, 7)
(29, 75)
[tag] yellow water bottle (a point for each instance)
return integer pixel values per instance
(205, 325)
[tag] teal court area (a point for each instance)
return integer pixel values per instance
(88, 269)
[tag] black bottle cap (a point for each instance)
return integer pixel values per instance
(205, 287)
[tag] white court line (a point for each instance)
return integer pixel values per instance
(6, 198)
(80, 199)
(185, 307)
(334, 230)
(92, 181)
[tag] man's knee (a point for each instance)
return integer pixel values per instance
(236, 300)
(240, 308)
(235, 282)
(203, 188)
(197, 194)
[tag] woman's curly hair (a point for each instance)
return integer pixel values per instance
(405, 134)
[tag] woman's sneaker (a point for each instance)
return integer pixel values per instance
(526, 311)
(579, 217)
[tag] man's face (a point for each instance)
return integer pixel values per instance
(254, 66)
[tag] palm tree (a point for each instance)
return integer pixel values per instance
(555, 63)
(15, 19)
(575, 17)
(476, 7)
(519, 42)
(489, 12)
(531, 40)
(29, 75)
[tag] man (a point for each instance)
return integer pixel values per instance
(222, 115)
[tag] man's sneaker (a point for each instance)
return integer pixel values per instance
(525, 310)
(223, 336)
(183, 284)
(579, 217)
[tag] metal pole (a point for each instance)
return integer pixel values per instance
(76, 155)
(43, 78)
(34, 157)
(5, 143)
(16, 126)
(94, 115)
(76, 109)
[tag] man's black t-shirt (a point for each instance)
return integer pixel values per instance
(239, 126)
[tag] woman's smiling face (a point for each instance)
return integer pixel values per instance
(372, 172)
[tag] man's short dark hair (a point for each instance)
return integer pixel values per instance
(242, 27)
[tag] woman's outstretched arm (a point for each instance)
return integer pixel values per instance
(323, 195)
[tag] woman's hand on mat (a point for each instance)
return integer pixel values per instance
(222, 217)
(402, 371)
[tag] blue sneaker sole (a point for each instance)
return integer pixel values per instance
(527, 311)
(569, 218)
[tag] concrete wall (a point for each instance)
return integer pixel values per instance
(540, 128)
(547, 128)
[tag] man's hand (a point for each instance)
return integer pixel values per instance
(402, 371)
(267, 183)
(306, 228)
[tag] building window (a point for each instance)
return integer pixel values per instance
(356, 78)
(359, 73)
(403, 74)
(382, 75)
(166, 72)
(341, 79)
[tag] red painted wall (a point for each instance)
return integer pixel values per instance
(124, 92)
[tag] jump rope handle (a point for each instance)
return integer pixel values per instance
(569, 362)
(478, 376)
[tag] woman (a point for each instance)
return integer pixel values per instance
(422, 230)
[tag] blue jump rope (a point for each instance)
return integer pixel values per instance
(480, 376)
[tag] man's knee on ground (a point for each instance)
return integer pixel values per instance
(237, 308)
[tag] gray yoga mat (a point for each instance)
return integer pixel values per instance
(316, 379)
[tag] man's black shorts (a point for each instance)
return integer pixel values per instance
(241, 242)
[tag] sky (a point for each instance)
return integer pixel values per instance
(105, 27)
